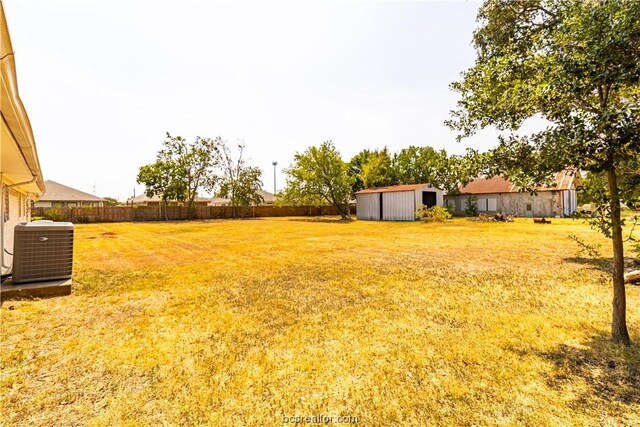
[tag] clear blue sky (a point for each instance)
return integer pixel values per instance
(103, 81)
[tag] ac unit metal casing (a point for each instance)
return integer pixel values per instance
(42, 251)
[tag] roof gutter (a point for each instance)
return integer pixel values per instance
(14, 114)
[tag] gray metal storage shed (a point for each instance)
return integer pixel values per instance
(397, 203)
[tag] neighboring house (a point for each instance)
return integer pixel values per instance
(219, 201)
(20, 175)
(499, 195)
(268, 198)
(397, 203)
(61, 196)
(156, 200)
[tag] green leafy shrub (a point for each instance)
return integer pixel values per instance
(433, 214)
(54, 214)
(471, 209)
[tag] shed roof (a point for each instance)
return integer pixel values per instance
(409, 187)
(563, 180)
(56, 192)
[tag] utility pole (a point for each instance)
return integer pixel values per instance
(274, 177)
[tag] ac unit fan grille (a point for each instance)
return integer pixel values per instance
(42, 253)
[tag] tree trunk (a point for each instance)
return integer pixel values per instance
(344, 213)
(619, 322)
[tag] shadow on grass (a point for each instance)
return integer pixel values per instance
(603, 264)
(610, 372)
(323, 220)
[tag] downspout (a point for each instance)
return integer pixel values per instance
(2, 207)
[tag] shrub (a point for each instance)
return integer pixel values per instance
(449, 207)
(471, 209)
(433, 214)
(54, 214)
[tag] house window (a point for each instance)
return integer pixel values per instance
(528, 208)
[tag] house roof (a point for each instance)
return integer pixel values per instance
(410, 187)
(268, 197)
(563, 180)
(219, 201)
(143, 199)
(156, 199)
(61, 193)
(497, 184)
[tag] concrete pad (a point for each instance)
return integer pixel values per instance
(53, 288)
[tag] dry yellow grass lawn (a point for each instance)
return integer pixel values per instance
(244, 322)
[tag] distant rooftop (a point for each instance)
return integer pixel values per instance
(56, 192)
(564, 181)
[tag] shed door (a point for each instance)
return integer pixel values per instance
(429, 198)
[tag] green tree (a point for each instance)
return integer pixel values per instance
(159, 179)
(356, 164)
(196, 163)
(240, 183)
(595, 187)
(417, 165)
(319, 175)
(378, 170)
(575, 64)
(425, 165)
(112, 201)
(182, 169)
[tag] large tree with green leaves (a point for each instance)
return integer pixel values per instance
(426, 165)
(159, 178)
(575, 64)
(240, 183)
(181, 169)
(319, 175)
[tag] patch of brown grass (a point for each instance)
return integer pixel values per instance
(244, 322)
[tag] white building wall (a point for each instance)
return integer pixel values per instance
(368, 206)
(399, 206)
(439, 196)
(569, 201)
(18, 211)
(396, 205)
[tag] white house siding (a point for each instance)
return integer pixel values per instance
(368, 206)
(399, 206)
(18, 211)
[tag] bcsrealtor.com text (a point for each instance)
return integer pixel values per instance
(319, 419)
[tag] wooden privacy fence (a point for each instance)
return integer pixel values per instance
(155, 213)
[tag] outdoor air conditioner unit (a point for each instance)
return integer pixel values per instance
(42, 251)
